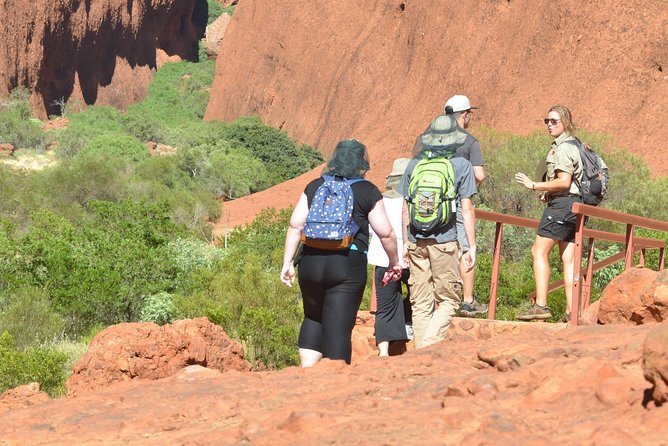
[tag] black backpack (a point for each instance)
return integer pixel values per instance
(595, 176)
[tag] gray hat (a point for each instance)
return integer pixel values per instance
(399, 166)
(443, 131)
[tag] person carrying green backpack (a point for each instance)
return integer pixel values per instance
(431, 185)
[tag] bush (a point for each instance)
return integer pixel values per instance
(117, 145)
(245, 297)
(16, 125)
(158, 308)
(40, 365)
(87, 125)
(30, 318)
(215, 10)
(282, 157)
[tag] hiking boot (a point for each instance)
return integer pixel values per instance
(536, 312)
(566, 318)
(469, 309)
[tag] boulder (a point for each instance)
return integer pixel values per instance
(7, 148)
(132, 351)
(655, 361)
(637, 296)
(214, 35)
(21, 397)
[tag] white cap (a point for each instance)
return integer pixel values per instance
(458, 103)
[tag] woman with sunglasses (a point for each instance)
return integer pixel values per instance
(332, 282)
(559, 189)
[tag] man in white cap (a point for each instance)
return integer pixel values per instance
(460, 107)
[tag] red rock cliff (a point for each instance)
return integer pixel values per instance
(380, 70)
(93, 52)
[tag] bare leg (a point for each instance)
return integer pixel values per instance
(308, 357)
(541, 267)
(384, 348)
(567, 251)
(468, 280)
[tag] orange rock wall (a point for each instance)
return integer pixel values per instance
(379, 71)
(103, 52)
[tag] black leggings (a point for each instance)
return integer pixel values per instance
(332, 285)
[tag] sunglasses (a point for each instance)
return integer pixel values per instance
(550, 121)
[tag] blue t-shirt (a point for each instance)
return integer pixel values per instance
(464, 186)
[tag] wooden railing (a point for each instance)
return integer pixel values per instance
(632, 244)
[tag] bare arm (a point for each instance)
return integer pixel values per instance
(292, 239)
(468, 217)
(404, 230)
(383, 229)
(561, 183)
(479, 174)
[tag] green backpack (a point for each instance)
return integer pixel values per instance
(431, 195)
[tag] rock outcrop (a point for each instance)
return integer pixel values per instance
(138, 351)
(637, 296)
(103, 52)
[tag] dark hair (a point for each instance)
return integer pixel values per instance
(349, 160)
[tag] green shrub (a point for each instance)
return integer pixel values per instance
(30, 318)
(87, 125)
(215, 10)
(19, 367)
(245, 297)
(282, 157)
(158, 308)
(117, 145)
(177, 95)
(16, 125)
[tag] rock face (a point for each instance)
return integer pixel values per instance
(380, 71)
(637, 296)
(103, 52)
(126, 352)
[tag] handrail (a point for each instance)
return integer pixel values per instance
(631, 245)
(637, 244)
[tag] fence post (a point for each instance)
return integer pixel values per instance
(629, 247)
(577, 270)
(495, 271)
(588, 277)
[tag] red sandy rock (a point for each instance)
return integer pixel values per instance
(138, 351)
(636, 296)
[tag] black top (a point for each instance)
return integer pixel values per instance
(366, 195)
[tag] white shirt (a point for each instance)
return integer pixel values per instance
(376, 255)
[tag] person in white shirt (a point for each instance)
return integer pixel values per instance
(393, 314)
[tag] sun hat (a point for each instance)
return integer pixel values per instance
(399, 167)
(458, 103)
(443, 131)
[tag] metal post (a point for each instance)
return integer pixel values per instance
(495, 271)
(577, 269)
(629, 247)
(588, 277)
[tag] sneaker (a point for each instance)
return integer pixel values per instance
(536, 312)
(409, 331)
(469, 309)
